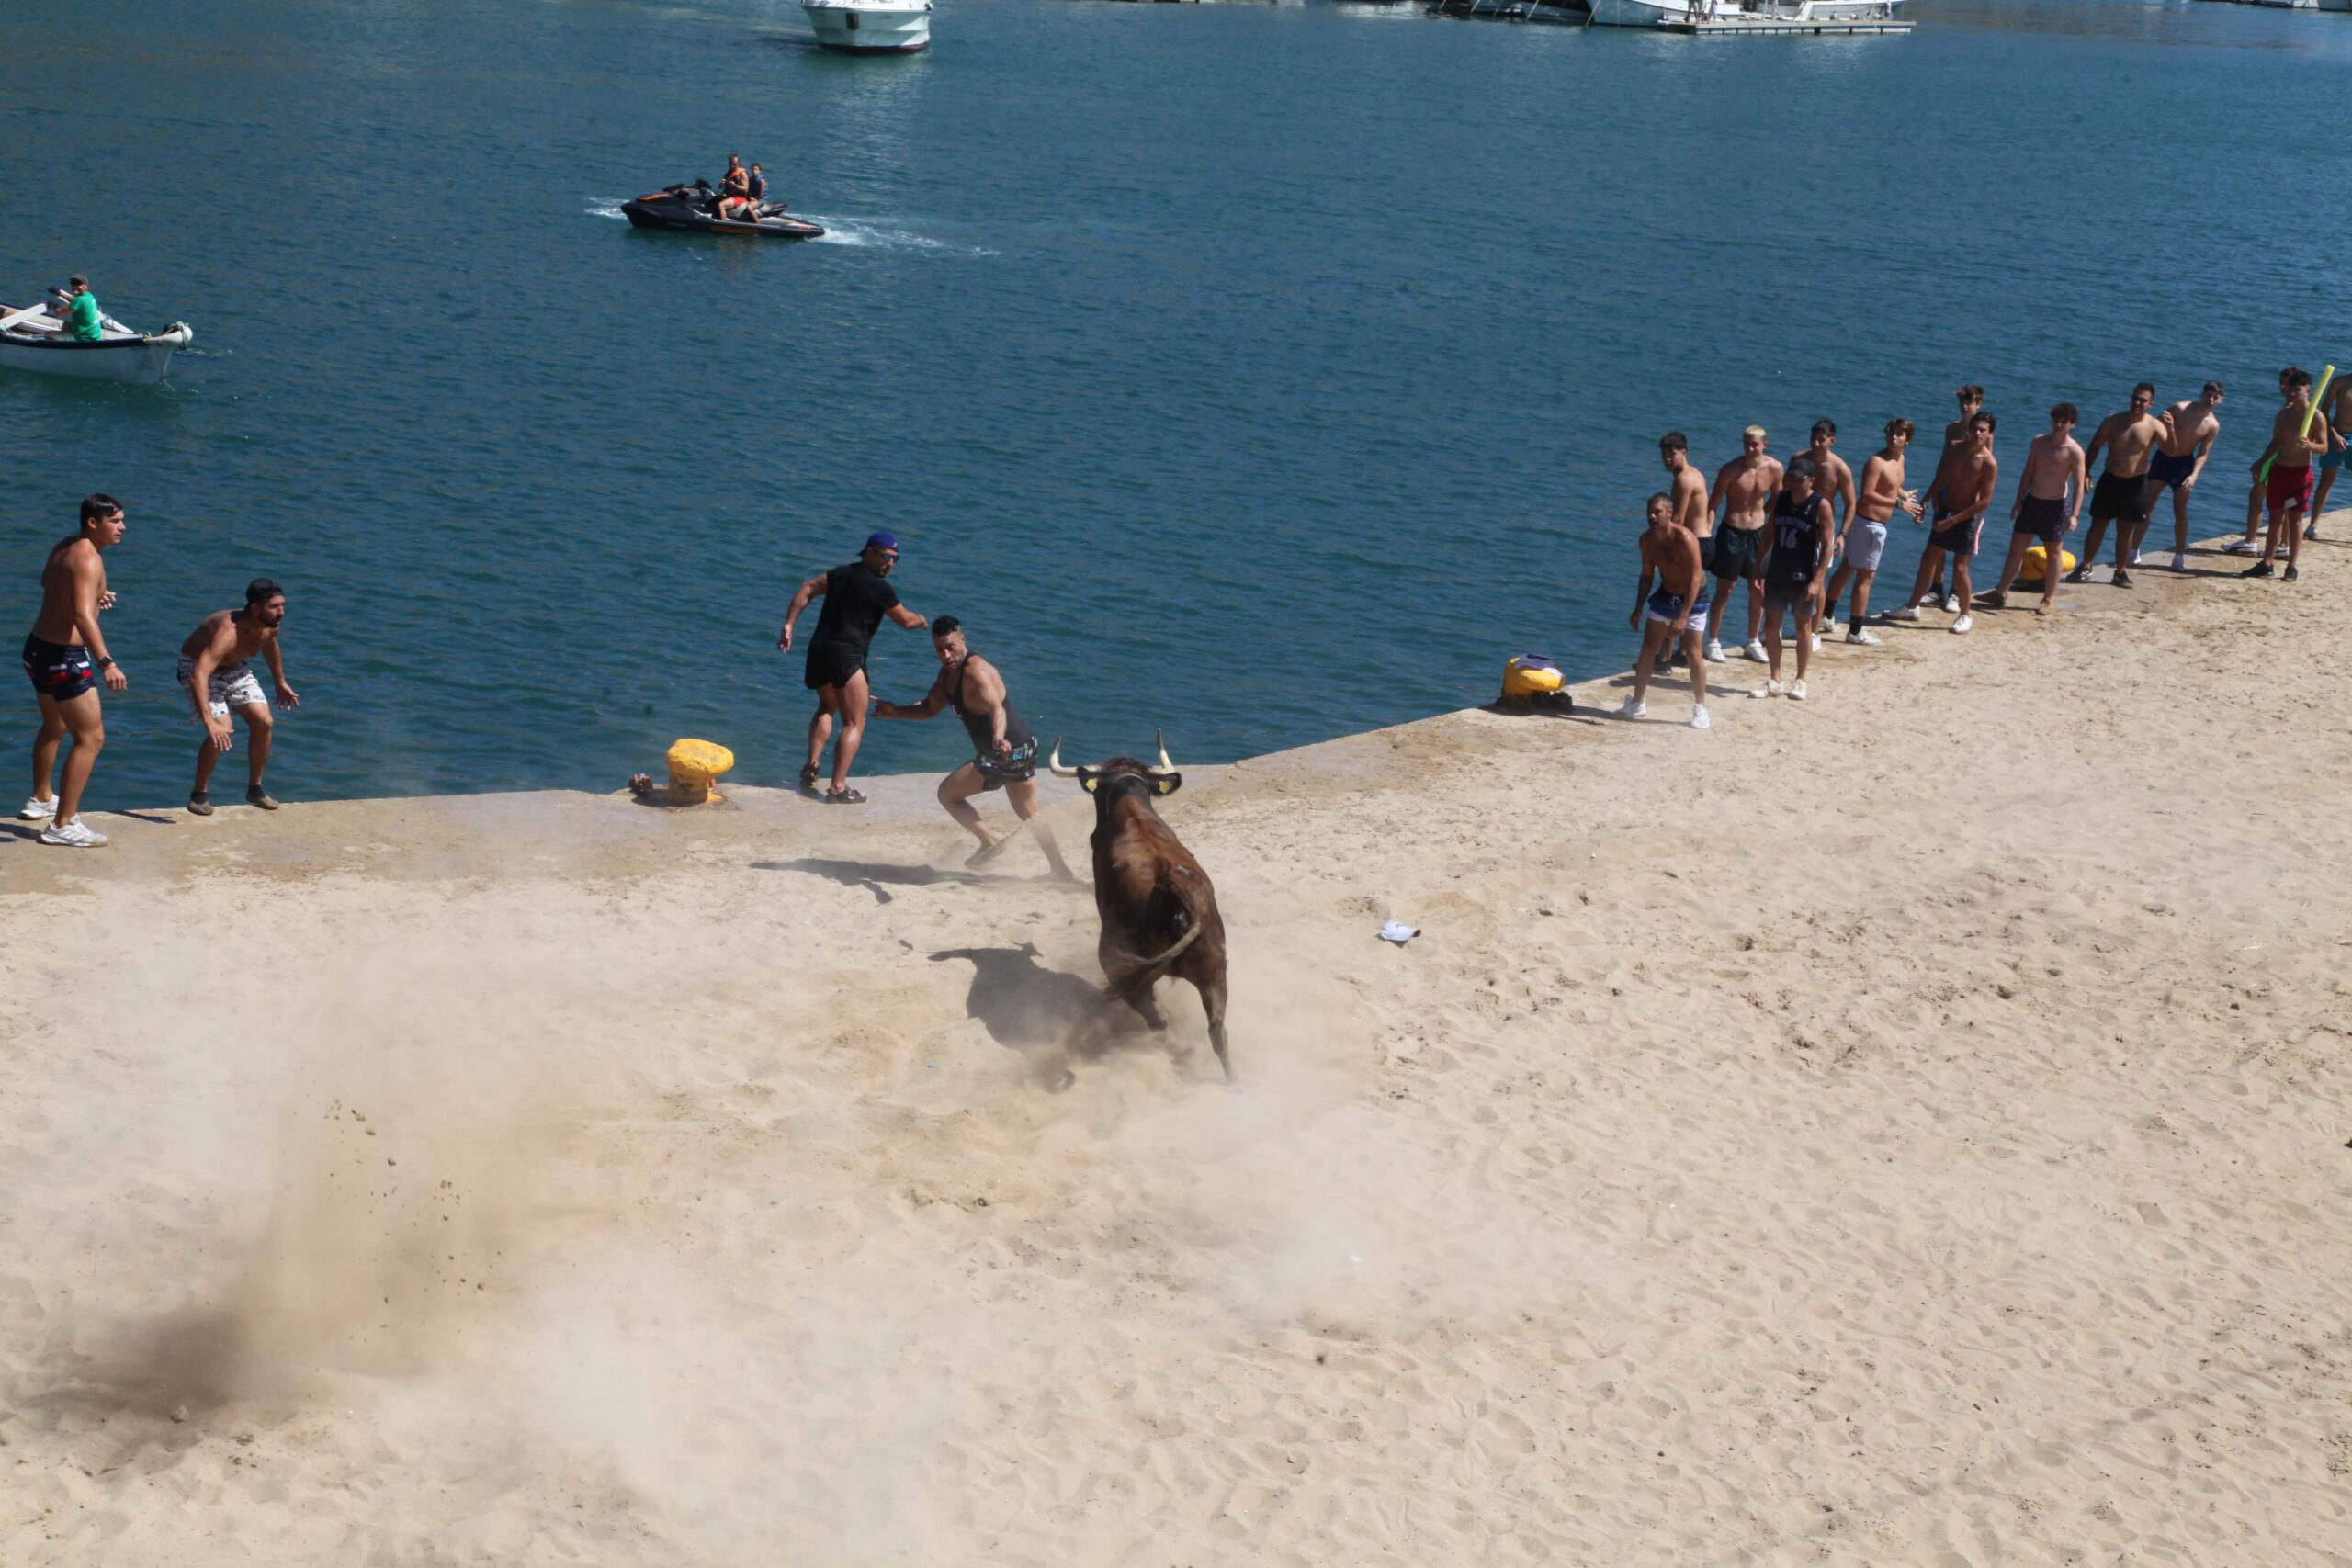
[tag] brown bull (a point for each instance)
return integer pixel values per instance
(1159, 918)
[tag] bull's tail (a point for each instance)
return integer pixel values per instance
(1159, 960)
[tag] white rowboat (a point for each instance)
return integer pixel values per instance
(32, 339)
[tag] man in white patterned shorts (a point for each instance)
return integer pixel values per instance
(215, 669)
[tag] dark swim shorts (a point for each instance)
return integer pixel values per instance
(2169, 471)
(59, 670)
(832, 666)
(1959, 539)
(2044, 517)
(2120, 496)
(1738, 552)
(1019, 768)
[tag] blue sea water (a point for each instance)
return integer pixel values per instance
(1260, 373)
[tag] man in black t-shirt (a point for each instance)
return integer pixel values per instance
(856, 598)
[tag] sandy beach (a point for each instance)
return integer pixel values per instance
(1905, 1127)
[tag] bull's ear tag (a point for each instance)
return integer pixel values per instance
(1167, 784)
(1087, 784)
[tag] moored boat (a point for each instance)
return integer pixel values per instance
(1684, 13)
(870, 26)
(688, 209)
(33, 339)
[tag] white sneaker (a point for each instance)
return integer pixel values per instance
(73, 835)
(2180, 561)
(1698, 718)
(1714, 653)
(2240, 547)
(1770, 688)
(1908, 613)
(1952, 604)
(1817, 642)
(1755, 650)
(1796, 691)
(1964, 625)
(1628, 708)
(1865, 639)
(38, 810)
(2133, 564)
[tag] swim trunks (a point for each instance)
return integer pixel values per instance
(998, 772)
(2043, 517)
(230, 686)
(832, 664)
(1707, 554)
(1959, 538)
(1865, 544)
(2122, 497)
(1664, 607)
(1738, 553)
(2288, 488)
(2168, 471)
(2331, 461)
(59, 670)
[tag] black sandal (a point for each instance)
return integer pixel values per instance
(809, 776)
(844, 797)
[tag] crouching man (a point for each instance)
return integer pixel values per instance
(1004, 750)
(216, 671)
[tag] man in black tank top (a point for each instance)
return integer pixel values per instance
(1796, 562)
(1004, 750)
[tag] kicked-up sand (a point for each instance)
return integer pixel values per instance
(1908, 1127)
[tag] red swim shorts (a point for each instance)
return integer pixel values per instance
(2289, 487)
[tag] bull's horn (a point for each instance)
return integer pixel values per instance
(1160, 736)
(1053, 761)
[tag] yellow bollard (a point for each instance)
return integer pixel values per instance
(694, 768)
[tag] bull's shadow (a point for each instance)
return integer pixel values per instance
(1019, 1001)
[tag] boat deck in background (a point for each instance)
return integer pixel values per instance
(1744, 27)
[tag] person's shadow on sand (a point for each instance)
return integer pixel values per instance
(1020, 1001)
(872, 875)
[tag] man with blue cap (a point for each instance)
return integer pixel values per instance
(856, 598)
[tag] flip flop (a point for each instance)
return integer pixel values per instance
(844, 798)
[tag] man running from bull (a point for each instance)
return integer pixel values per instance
(1004, 750)
(856, 598)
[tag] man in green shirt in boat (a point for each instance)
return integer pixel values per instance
(80, 307)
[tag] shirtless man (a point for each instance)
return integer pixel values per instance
(2122, 497)
(2190, 428)
(2289, 456)
(1964, 486)
(1676, 612)
(1796, 561)
(1834, 482)
(2336, 409)
(215, 669)
(2049, 502)
(2251, 543)
(1688, 489)
(1863, 541)
(1956, 443)
(1004, 751)
(66, 660)
(1743, 489)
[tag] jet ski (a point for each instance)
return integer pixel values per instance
(692, 207)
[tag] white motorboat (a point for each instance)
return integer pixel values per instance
(871, 27)
(33, 339)
(1682, 13)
